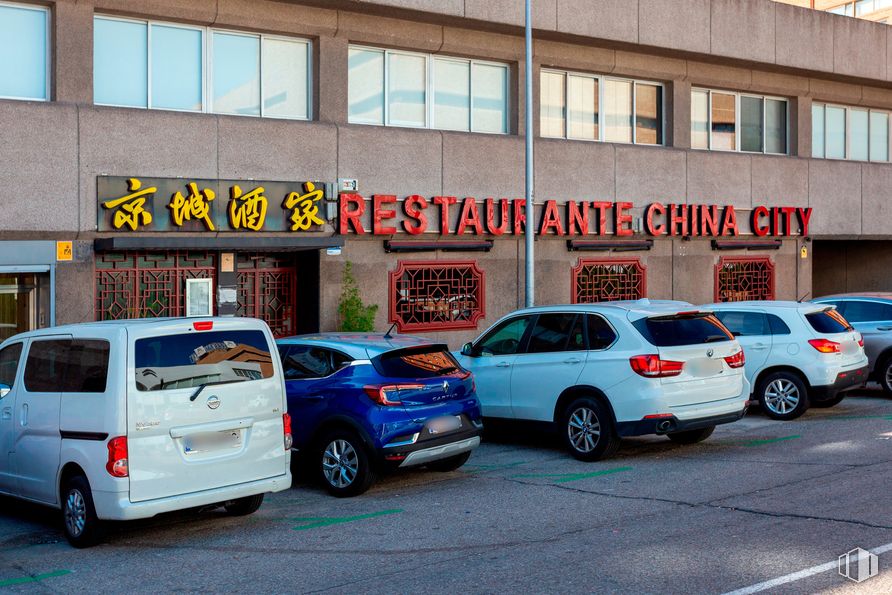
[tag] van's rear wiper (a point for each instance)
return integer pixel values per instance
(202, 386)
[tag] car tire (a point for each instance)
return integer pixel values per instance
(82, 527)
(244, 506)
(831, 402)
(588, 431)
(883, 373)
(344, 464)
(782, 395)
(691, 436)
(449, 464)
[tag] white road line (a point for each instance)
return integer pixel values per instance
(796, 576)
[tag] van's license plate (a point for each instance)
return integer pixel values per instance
(212, 441)
(444, 424)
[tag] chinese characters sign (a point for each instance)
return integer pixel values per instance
(177, 204)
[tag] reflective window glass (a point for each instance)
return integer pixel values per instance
(858, 133)
(582, 107)
(177, 72)
(724, 122)
(617, 111)
(452, 94)
(9, 363)
(835, 132)
(120, 63)
(700, 119)
(879, 136)
(751, 124)
(366, 86)
(648, 114)
(553, 332)
(775, 126)
(489, 85)
(23, 54)
(817, 131)
(236, 78)
(504, 339)
(551, 104)
(406, 93)
(285, 78)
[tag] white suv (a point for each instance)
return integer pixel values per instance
(603, 371)
(126, 420)
(797, 354)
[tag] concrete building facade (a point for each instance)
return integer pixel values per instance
(685, 149)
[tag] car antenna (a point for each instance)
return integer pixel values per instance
(388, 334)
(805, 295)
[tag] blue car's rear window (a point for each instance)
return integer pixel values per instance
(416, 362)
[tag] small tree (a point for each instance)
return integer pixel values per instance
(353, 314)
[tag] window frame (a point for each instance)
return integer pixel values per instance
(588, 339)
(430, 60)
(207, 65)
(848, 301)
(848, 123)
(48, 62)
(738, 130)
(601, 79)
(766, 261)
(393, 298)
(331, 352)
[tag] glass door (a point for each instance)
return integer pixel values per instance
(24, 303)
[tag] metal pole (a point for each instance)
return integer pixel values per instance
(530, 285)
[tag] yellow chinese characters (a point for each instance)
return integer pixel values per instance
(131, 208)
(195, 206)
(247, 210)
(304, 207)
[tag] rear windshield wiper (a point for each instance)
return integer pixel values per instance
(716, 338)
(202, 386)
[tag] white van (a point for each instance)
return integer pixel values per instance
(128, 419)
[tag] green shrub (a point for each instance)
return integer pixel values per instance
(353, 314)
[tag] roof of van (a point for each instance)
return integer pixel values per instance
(359, 345)
(124, 323)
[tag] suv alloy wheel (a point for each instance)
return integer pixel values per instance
(588, 430)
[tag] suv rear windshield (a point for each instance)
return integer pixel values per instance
(192, 359)
(417, 362)
(676, 330)
(828, 321)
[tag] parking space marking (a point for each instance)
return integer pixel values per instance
(33, 579)
(316, 522)
(771, 440)
(565, 477)
(797, 576)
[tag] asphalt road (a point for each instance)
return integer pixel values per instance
(760, 500)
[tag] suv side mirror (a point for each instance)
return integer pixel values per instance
(468, 349)
(5, 389)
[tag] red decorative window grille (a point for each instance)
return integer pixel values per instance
(147, 284)
(426, 296)
(267, 289)
(741, 278)
(608, 280)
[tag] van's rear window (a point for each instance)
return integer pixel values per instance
(674, 331)
(424, 362)
(828, 321)
(192, 359)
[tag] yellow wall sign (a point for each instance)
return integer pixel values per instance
(64, 251)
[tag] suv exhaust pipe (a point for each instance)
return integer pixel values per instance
(664, 426)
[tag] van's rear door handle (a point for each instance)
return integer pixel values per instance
(502, 365)
(23, 415)
(572, 360)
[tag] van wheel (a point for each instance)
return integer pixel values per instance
(244, 506)
(782, 396)
(450, 464)
(883, 373)
(344, 464)
(588, 430)
(691, 436)
(82, 527)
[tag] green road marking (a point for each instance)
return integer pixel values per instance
(565, 477)
(848, 417)
(316, 522)
(33, 579)
(771, 440)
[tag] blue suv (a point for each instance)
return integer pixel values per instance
(362, 404)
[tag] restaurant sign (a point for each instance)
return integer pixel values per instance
(384, 214)
(178, 204)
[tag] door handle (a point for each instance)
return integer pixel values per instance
(314, 397)
(23, 416)
(759, 346)
(503, 365)
(572, 360)
(7, 413)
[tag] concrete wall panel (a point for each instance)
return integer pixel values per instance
(833, 187)
(614, 20)
(510, 12)
(675, 24)
(483, 165)
(492, 46)
(446, 7)
(195, 11)
(719, 178)
(574, 170)
(825, 90)
(876, 199)
(573, 57)
(804, 38)
(859, 48)
(73, 52)
(650, 174)
(743, 30)
(367, 29)
(264, 15)
(780, 181)
(648, 67)
(714, 75)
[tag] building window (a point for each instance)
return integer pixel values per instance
(608, 280)
(177, 67)
(854, 133)
(591, 107)
(726, 121)
(396, 88)
(428, 296)
(267, 289)
(24, 56)
(739, 279)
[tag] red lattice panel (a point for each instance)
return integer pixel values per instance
(608, 280)
(267, 289)
(147, 284)
(739, 278)
(428, 296)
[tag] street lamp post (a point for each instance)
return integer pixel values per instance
(530, 231)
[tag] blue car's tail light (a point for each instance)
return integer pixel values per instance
(389, 394)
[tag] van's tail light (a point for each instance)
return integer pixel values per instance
(737, 360)
(861, 341)
(286, 427)
(117, 464)
(651, 366)
(824, 345)
(203, 325)
(389, 394)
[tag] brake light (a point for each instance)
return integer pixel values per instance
(824, 345)
(737, 360)
(286, 428)
(651, 366)
(861, 342)
(203, 325)
(117, 465)
(389, 394)
(659, 416)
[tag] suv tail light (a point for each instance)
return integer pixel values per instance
(824, 345)
(861, 342)
(737, 360)
(286, 427)
(117, 465)
(651, 366)
(389, 394)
